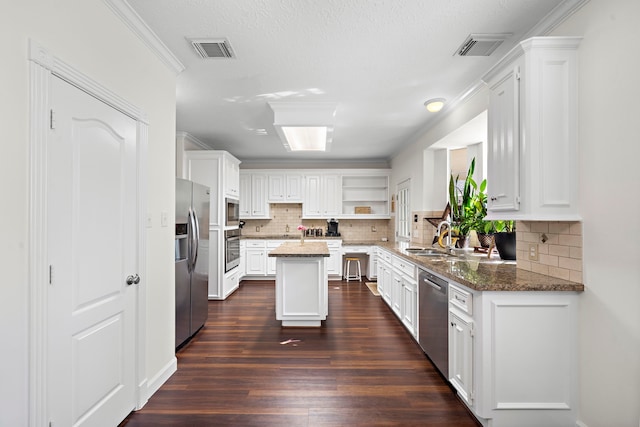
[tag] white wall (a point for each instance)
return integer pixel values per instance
(609, 155)
(409, 163)
(88, 36)
(609, 356)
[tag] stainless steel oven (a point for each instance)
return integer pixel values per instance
(232, 213)
(231, 249)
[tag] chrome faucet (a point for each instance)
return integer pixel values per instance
(446, 222)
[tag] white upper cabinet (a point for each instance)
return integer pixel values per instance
(219, 171)
(321, 196)
(532, 147)
(285, 187)
(232, 177)
(253, 196)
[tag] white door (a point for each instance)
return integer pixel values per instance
(92, 247)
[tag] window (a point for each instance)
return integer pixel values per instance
(404, 211)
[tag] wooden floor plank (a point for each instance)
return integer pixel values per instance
(361, 368)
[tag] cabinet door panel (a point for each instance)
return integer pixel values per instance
(503, 182)
(461, 356)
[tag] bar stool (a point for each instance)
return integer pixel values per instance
(347, 269)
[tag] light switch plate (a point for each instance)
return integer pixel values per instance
(149, 220)
(164, 219)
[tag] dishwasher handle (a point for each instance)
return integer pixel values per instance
(433, 285)
(433, 281)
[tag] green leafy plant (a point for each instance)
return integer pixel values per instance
(469, 205)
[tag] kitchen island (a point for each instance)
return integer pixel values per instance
(302, 284)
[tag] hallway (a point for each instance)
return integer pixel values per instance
(360, 368)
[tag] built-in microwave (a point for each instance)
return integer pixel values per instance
(232, 212)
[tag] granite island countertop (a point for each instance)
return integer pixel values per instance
(301, 250)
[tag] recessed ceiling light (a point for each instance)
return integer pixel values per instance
(434, 105)
(304, 126)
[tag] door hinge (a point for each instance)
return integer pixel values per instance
(517, 73)
(52, 119)
(50, 274)
(471, 333)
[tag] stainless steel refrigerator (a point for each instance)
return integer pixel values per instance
(192, 258)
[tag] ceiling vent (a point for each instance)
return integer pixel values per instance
(481, 44)
(213, 48)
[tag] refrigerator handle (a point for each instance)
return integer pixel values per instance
(196, 238)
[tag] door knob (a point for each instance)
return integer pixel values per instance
(133, 279)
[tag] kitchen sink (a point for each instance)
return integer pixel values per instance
(426, 252)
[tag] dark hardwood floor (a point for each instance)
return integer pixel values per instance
(360, 368)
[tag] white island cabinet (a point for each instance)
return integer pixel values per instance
(302, 287)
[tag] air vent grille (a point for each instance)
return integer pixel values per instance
(481, 44)
(213, 48)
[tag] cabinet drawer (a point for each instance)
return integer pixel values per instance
(461, 299)
(273, 244)
(334, 244)
(355, 249)
(404, 266)
(384, 256)
(255, 244)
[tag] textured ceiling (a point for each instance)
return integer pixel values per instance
(379, 60)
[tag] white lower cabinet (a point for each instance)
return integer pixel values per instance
(410, 305)
(512, 355)
(271, 261)
(461, 355)
(258, 265)
(231, 282)
(396, 292)
(256, 262)
(398, 288)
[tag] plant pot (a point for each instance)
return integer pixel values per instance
(506, 244)
(485, 239)
(462, 242)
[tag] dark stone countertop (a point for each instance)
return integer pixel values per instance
(490, 275)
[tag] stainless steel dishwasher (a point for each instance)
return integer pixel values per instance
(433, 315)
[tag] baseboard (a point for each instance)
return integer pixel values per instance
(581, 424)
(161, 377)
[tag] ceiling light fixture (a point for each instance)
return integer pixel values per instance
(434, 105)
(304, 126)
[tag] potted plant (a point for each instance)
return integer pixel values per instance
(468, 205)
(505, 238)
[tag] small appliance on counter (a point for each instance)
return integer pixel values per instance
(332, 228)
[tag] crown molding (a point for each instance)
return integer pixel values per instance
(554, 18)
(123, 10)
(186, 136)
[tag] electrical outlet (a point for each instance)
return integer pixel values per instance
(164, 219)
(533, 252)
(257, 228)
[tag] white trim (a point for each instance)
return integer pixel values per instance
(582, 424)
(141, 336)
(556, 17)
(163, 375)
(38, 125)
(136, 24)
(192, 139)
(42, 66)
